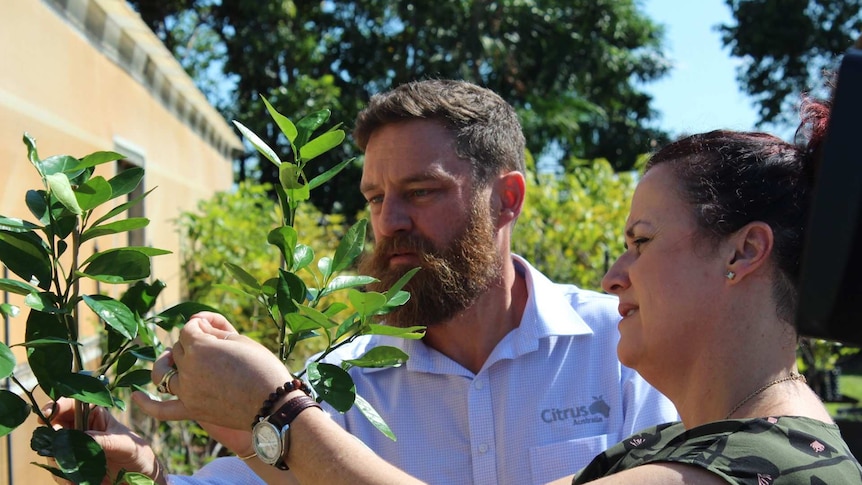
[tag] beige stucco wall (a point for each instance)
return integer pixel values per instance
(57, 84)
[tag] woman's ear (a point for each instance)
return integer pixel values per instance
(751, 246)
(511, 189)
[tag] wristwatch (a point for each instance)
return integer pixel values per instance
(271, 435)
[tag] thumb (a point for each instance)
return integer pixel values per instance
(173, 410)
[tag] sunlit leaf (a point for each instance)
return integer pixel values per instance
(17, 225)
(9, 310)
(81, 387)
(92, 194)
(373, 416)
(114, 313)
(258, 144)
(380, 356)
(308, 124)
(138, 377)
(98, 158)
(350, 246)
(327, 175)
(126, 181)
(321, 145)
(366, 303)
(284, 124)
(396, 288)
(284, 238)
(59, 187)
(303, 255)
(7, 361)
(116, 227)
(17, 287)
(245, 279)
(413, 333)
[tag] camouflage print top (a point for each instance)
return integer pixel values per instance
(762, 451)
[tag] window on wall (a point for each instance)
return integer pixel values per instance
(134, 159)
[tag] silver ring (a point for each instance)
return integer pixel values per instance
(165, 384)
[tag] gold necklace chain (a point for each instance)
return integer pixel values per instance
(792, 377)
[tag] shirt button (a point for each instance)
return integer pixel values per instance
(478, 385)
(483, 448)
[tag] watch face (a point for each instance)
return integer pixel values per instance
(266, 442)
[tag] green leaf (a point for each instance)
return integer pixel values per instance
(42, 441)
(135, 478)
(59, 187)
(182, 312)
(284, 238)
(115, 314)
(125, 363)
(93, 193)
(13, 411)
(122, 207)
(44, 342)
(285, 125)
(334, 308)
(321, 319)
(122, 265)
(298, 323)
(288, 176)
(307, 125)
(258, 144)
(79, 457)
(380, 357)
(366, 303)
(98, 158)
(350, 246)
(17, 287)
(138, 377)
(7, 361)
(290, 289)
(327, 175)
(116, 227)
(26, 256)
(79, 386)
(247, 281)
(324, 264)
(17, 225)
(43, 302)
(126, 181)
(141, 297)
(395, 289)
(333, 384)
(9, 310)
(32, 154)
(321, 145)
(303, 255)
(58, 164)
(397, 300)
(299, 194)
(412, 333)
(344, 282)
(373, 416)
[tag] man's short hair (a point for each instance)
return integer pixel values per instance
(486, 128)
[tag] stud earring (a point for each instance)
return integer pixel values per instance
(730, 275)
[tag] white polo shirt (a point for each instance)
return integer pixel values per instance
(551, 396)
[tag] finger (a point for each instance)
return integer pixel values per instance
(173, 410)
(162, 365)
(215, 320)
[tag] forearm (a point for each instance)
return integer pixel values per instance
(322, 452)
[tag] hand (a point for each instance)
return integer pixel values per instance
(124, 450)
(222, 378)
(235, 440)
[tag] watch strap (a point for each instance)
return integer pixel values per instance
(282, 419)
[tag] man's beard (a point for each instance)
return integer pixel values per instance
(451, 278)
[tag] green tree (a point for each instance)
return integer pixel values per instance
(572, 223)
(573, 68)
(786, 45)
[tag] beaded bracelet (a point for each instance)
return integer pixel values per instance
(288, 386)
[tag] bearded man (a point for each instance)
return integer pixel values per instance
(516, 379)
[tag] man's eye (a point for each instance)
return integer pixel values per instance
(374, 200)
(420, 192)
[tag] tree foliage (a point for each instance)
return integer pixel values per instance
(571, 225)
(572, 68)
(785, 47)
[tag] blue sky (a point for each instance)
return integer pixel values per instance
(701, 92)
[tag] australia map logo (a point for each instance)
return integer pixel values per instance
(595, 412)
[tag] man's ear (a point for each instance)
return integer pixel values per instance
(511, 189)
(751, 247)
